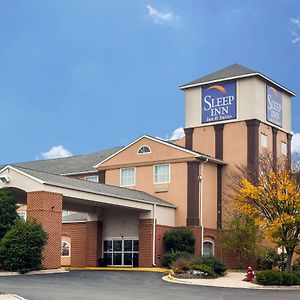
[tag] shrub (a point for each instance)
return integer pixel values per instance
(269, 277)
(296, 265)
(290, 278)
(21, 247)
(179, 240)
(267, 259)
(181, 265)
(8, 211)
(205, 269)
(169, 257)
(216, 264)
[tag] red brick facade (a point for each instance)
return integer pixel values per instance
(145, 242)
(46, 208)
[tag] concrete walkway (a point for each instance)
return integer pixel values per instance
(230, 280)
(40, 272)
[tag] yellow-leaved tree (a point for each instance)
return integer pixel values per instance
(273, 202)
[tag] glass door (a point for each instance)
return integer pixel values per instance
(121, 252)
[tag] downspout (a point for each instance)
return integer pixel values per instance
(154, 235)
(201, 203)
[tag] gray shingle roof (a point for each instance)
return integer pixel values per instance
(74, 217)
(94, 187)
(231, 71)
(69, 165)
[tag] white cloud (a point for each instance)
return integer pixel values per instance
(295, 21)
(296, 37)
(296, 143)
(177, 134)
(56, 152)
(160, 17)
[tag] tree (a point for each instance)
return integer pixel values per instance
(8, 213)
(241, 237)
(22, 246)
(273, 202)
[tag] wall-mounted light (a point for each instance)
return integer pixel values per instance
(4, 178)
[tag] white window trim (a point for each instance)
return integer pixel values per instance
(144, 152)
(89, 176)
(22, 212)
(134, 177)
(209, 241)
(284, 143)
(69, 249)
(169, 174)
(266, 136)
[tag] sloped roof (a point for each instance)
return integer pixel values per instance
(93, 187)
(75, 217)
(68, 165)
(232, 72)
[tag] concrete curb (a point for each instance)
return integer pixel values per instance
(11, 297)
(229, 284)
(40, 272)
(157, 270)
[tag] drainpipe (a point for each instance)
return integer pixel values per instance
(154, 235)
(201, 202)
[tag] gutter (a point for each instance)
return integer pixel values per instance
(154, 236)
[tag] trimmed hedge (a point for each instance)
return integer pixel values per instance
(216, 264)
(275, 277)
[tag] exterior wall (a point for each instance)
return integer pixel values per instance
(267, 130)
(145, 243)
(165, 216)
(93, 238)
(204, 140)
(174, 192)
(46, 208)
(77, 233)
(251, 104)
(210, 196)
(66, 260)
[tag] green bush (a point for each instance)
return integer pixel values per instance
(179, 240)
(169, 257)
(296, 265)
(216, 264)
(21, 247)
(269, 258)
(182, 265)
(205, 269)
(276, 277)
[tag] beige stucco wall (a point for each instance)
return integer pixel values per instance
(118, 223)
(174, 192)
(204, 140)
(251, 104)
(210, 196)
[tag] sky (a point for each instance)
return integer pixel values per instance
(79, 76)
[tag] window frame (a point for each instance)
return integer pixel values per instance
(89, 176)
(262, 134)
(286, 148)
(213, 247)
(165, 182)
(69, 249)
(150, 151)
(134, 176)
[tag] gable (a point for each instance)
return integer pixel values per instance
(160, 152)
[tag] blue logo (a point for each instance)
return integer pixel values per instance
(219, 102)
(274, 106)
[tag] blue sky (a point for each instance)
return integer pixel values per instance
(87, 75)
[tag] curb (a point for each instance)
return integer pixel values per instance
(156, 270)
(40, 272)
(172, 279)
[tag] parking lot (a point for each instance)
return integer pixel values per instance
(123, 285)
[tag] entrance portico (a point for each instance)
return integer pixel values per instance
(114, 215)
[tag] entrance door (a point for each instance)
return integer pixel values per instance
(121, 252)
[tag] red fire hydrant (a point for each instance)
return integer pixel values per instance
(250, 274)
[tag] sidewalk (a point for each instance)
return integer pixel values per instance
(230, 280)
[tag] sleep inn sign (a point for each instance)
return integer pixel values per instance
(219, 102)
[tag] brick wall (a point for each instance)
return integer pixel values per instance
(93, 239)
(46, 208)
(145, 242)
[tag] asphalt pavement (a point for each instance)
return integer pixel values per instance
(116, 285)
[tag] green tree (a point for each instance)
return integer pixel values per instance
(22, 246)
(8, 213)
(241, 237)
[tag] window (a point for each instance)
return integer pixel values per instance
(22, 214)
(162, 173)
(144, 150)
(93, 178)
(263, 140)
(283, 148)
(127, 176)
(208, 248)
(65, 248)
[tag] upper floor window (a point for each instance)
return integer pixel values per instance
(263, 140)
(22, 214)
(162, 173)
(144, 150)
(283, 148)
(127, 177)
(93, 178)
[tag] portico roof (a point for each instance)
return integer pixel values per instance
(49, 179)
